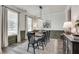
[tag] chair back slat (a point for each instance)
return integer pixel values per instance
(31, 37)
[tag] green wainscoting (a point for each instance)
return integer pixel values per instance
(53, 34)
(12, 39)
(22, 35)
(56, 34)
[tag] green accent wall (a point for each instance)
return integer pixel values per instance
(56, 33)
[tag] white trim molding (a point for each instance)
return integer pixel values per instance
(0, 28)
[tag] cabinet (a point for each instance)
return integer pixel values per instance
(70, 45)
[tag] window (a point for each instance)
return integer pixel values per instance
(12, 22)
(29, 22)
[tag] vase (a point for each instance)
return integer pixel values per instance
(77, 30)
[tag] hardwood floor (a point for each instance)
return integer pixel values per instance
(55, 46)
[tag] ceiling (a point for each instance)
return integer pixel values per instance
(47, 9)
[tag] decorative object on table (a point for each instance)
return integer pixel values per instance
(76, 36)
(77, 26)
(47, 24)
(67, 27)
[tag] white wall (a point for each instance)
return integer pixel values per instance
(74, 12)
(22, 22)
(58, 20)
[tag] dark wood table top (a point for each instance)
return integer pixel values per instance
(39, 34)
(72, 38)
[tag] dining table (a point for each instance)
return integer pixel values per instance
(38, 36)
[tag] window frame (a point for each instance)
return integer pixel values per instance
(31, 22)
(17, 21)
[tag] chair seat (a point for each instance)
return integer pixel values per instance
(33, 42)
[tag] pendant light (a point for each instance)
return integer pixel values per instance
(41, 11)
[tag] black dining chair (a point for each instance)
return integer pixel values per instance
(48, 36)
(31, 41)
(42, 40)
